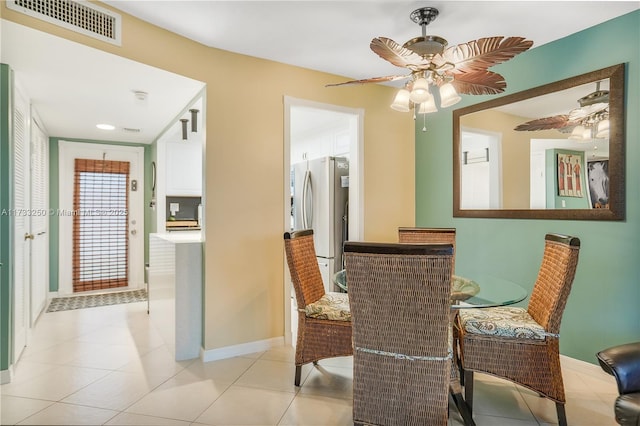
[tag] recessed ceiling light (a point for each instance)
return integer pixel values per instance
(105, 126)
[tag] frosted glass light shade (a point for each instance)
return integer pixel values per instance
(603, 129)
(448, 95)
(401, 101)
(420, 91)
(577, 133)
(428, 106)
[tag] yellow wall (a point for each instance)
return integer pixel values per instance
(244, 158)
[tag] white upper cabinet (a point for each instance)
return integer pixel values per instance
(184, 168)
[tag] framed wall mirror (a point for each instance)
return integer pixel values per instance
(551, 152)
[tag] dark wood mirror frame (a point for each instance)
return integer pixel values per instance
(616, 210)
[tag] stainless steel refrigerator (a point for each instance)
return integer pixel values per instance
(320, 196)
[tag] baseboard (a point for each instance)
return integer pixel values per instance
(5, 376)
(581, 366)
(242, 349)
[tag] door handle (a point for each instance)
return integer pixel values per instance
(134, 232)
(28, 236)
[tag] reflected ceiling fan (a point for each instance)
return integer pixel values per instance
(590, 120)
(457, 69)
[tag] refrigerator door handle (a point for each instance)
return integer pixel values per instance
(307, 199)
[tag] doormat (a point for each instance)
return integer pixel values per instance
(94, 300)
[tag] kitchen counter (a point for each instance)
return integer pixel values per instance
(175, 290)
(179, 236)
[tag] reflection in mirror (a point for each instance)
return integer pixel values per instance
(555, 151)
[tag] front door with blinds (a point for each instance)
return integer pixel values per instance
(101, 217)
(100, 225)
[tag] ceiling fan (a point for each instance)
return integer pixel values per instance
(457, 69)
(590, 120)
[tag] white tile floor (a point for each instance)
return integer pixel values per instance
(109, 366)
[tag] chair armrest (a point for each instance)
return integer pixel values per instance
(623, 363)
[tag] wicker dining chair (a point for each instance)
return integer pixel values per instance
(429, 236)
(434, 236)
(324, 320)
(400, 299)
(522, 345)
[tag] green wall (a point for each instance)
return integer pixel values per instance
(54, 202)
(603, 308)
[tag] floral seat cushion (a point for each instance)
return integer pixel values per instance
(331, 306)
(510, 322)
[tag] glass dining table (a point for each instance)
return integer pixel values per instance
(484, 291)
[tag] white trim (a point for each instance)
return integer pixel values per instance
(67, 151)
(241, 349)
(6, 375)
(582, 367)
(356, 186)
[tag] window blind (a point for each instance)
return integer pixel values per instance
(100, 225)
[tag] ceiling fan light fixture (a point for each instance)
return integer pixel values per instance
(428, 106)
(428, 58)
(602, 131)
(401, 102)
(448, 95)
(577, 133)
(420, 91)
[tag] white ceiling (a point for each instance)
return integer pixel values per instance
(73, 87)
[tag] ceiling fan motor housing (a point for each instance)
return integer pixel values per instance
(426, 46)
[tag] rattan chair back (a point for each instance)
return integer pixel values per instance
(317, 338)
(429, 236)
(555, 277)
(400, 300)
(303, 266)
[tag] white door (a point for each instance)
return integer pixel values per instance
(21, 222)
(68, 153)
(39, 219)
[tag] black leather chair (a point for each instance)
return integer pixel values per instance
(623, 363)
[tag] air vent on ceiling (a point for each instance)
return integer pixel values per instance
(79, 16)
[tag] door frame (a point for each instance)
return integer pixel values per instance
(21, 247)
(356, 186)
(68, 152)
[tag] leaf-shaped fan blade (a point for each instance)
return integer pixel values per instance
(399, 56)
(371, 80)
(587, 110)
(483, 53)
(479, 83)
(555, 122)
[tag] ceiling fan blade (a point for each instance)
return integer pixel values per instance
(546, 123)
(483, 53)
(399, 56)
(479, 82)
(371, 80)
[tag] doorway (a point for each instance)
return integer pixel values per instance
(480, 171)
(314, 130)
(129, 219)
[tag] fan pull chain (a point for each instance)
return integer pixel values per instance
(424, 122)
